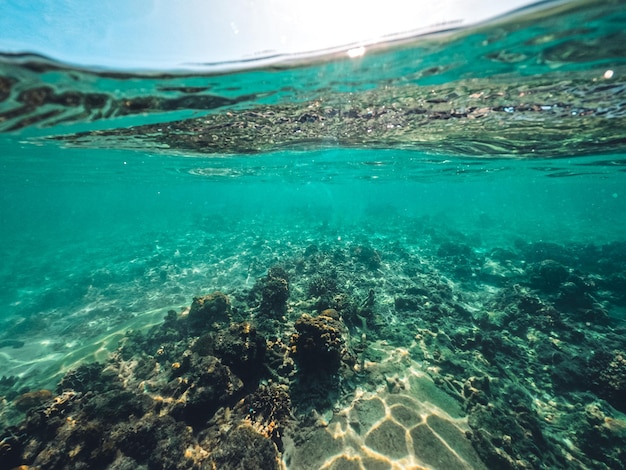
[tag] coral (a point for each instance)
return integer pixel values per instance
(547, 275)
(271, 293)
(87, 377)
(29, 400)
(608, 373)
(320, 342)
(368, 256)
(208, 311)
(200, 387)
(269, 409)
(322, 286)
(245, 448)
(242, 349)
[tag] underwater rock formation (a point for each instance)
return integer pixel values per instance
(85, 378)
(242, 349)
(271, 293)
(547, 275)
(245, 448)
(199, 386)
(207, 311)
(368, 256)
(235, 382)
(608, 375)
(319, 342)
(29, 400)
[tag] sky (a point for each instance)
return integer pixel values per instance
(168, 34)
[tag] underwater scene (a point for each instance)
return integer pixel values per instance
(412, 256)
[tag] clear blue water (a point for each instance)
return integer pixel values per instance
(110, 227)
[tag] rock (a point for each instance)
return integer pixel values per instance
(547, 275)
(368, 257)
(320, 342)
(601, 436)
(29, 400)
(607, 372)
(245, 448)
(10, 449)
(208, 311)
(269, 407)
(87, 377)
(454, 250)
(271, 293)
(200, 387)
(476, 391)
(242, 349)
(407, 304)
(159, 441)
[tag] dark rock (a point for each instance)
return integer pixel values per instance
(208, 311)
(10, 448)
(454, 250)
(547, 275)
(319, 343)
(607, 372)
(242, 349)
(508, 435)
(407, 304)
(116, 406)
(616, 284)
(271, 293)
(158, 440)
(311, 250)
(567, 373)
(87, 377)
(29, 400)
(368, 257)
(476, 391)
(204, 345)
(575, 294)
(202, 387)
(244, 448)
(600, 437)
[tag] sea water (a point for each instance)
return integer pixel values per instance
(123, 196)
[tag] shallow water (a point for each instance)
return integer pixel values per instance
(124, 196)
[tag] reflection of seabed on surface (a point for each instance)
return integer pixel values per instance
(398, 420)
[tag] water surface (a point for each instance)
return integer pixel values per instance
(481, 172)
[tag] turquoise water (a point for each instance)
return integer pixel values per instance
(124, 196)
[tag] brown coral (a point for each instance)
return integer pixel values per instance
(319, 342)
(209, 310)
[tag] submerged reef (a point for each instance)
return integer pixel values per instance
(359, 356)
(271, 292)
(319, 342)
(210, 310)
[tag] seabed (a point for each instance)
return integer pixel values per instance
(436, 351)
